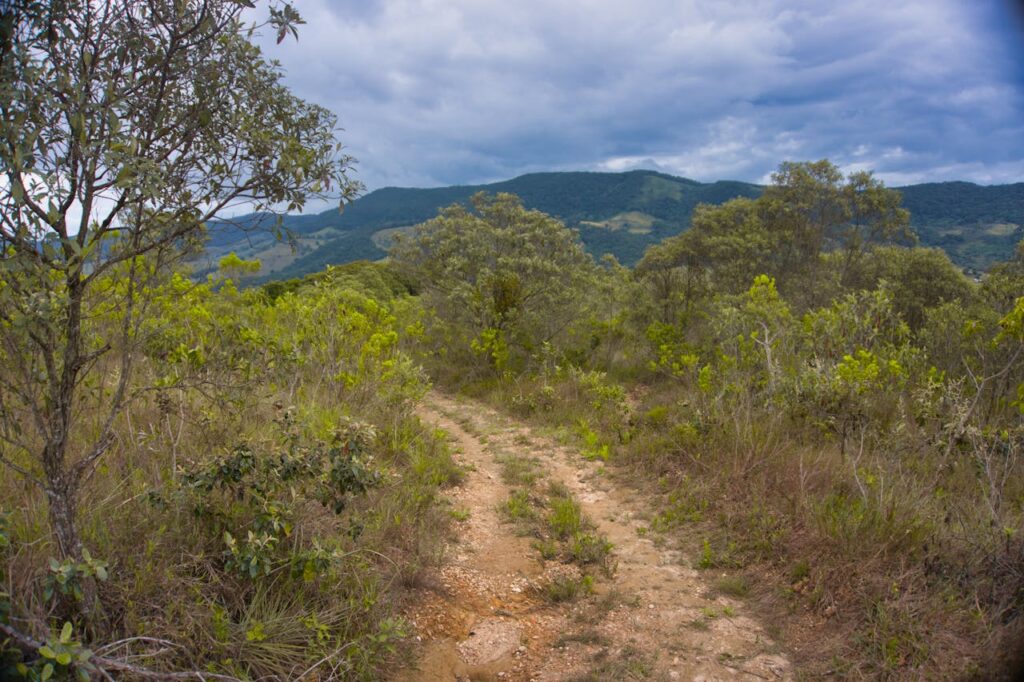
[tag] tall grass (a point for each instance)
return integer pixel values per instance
(896, 549)
(340, 545)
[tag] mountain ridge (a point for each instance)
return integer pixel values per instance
(617, 213)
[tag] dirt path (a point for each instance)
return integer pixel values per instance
(486, 618)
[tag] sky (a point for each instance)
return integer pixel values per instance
(432, 92)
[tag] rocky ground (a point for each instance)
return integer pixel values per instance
(485, 616)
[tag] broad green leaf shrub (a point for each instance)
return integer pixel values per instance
(60, 658)
(65, 577)
(251, 498)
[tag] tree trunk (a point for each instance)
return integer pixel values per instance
(62, 518)
(61, 482)
(62, 512)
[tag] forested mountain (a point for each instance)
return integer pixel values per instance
(975, 224)
(618, 213)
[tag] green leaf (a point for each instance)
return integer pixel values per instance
(47, 672)
(65, 633)
(64, 658)
(124, 177)
(46, 652)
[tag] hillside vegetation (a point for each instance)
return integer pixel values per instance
(616, 213)
(268, 496)
(204, 480)
(832, 419)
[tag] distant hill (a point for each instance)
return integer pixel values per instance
(977, 225)
(618, 213)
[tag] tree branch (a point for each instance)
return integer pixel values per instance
(103, 665)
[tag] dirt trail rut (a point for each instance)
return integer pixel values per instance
(485, 619)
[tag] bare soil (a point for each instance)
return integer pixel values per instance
(484, 617)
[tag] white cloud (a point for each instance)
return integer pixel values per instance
(437, 92)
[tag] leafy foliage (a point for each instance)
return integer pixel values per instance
(502, 278)
(66, 576)
(257, 493)
(808, 396)
(125, 127)
(60, 656)
(279, 488)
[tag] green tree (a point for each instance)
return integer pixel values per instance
(672, 272)
(811, 209)
(918, 279)
(1004, 282)
(508, 278)
(124, 126)
(765, 311)
(875, 216)
(803, 203)
(733, 242)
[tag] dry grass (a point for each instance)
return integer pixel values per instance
(169, 576)
(865, 570)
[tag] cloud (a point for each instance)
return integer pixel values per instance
(437, 92)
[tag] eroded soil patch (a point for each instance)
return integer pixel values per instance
(488, 617)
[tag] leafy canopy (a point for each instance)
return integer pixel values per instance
(124, 126)
(808, 210)
(501, 273)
